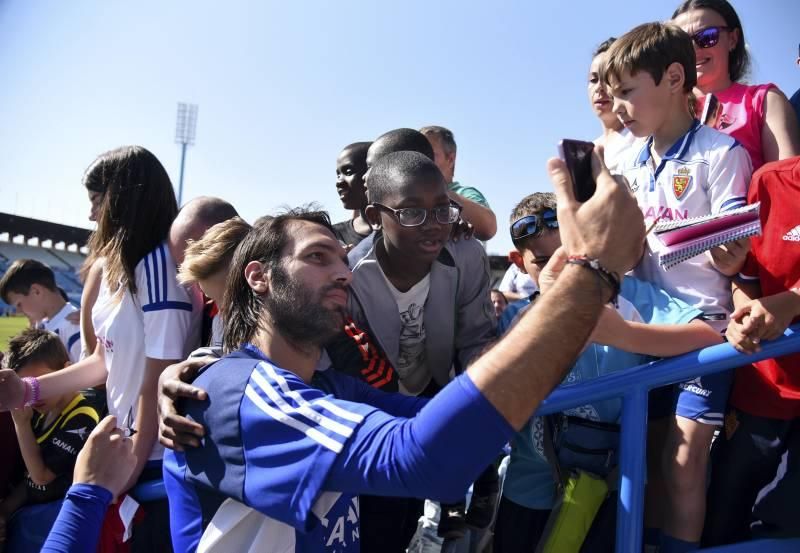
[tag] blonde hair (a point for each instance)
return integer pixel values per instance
(213, 252)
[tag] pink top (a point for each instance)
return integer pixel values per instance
(742, 116)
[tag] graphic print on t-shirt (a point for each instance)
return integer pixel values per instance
(412, 340)
(411, 357)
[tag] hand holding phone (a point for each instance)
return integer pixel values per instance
(577, 154)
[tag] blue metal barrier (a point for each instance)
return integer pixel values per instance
(633, 385)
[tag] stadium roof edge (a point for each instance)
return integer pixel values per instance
(16, 225)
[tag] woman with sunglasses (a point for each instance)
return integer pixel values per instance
(758, 116)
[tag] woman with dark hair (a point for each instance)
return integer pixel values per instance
(91, 273)
(615, 139)
(142, 317)
(758, 116)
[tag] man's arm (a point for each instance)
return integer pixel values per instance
(520, 370)
(87, 373)
(395, 404)
(482, 218)
(438, 453)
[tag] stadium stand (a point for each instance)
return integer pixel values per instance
(26, 238)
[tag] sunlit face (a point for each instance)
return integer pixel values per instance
(421, 243)
(712, 62)
(598, 95)
(351, 167)
(307, 297)
(214, 286)
(30, 304)
(444, 161)
(95, 199)
(538, 252)
(639, 103)
(499, 302)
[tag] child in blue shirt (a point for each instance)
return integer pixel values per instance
(646, 322)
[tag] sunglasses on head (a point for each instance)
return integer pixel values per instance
(708, 37)
(532, 225)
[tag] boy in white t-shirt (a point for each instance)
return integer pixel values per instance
(683, 170)
(425, 302)
(30, 286)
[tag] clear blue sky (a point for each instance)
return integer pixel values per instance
(283, 86)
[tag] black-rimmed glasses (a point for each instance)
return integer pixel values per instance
(416, 216)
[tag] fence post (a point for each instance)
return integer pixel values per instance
(632, 468)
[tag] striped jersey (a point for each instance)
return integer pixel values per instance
(160, 321)
(262, 478)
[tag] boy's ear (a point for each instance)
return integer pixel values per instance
(516, 258)
(257, 277)
(675, 77)
(373, 215)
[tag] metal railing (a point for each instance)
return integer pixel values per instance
(632, 385)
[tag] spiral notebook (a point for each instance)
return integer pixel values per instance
(682, 240)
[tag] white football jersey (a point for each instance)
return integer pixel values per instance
(704, 172)
(69, 332)
(160, 321)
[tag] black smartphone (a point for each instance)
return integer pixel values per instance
(577, 154)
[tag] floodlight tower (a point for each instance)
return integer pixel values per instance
(185, 131)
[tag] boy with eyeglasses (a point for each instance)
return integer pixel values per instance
(646, 323)
(683, 170)
(422, 298)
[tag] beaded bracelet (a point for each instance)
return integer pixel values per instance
(32, 391)
(605, 275)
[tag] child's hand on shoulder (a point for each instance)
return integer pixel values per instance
(729, 258)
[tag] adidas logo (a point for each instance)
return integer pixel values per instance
(793, 235)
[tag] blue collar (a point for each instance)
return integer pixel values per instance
(256, 352)
(676, 151)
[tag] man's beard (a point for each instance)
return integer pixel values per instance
(299, 314)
